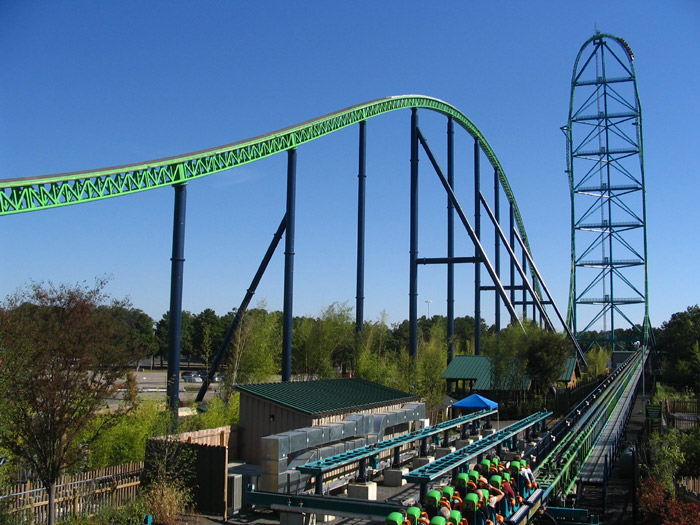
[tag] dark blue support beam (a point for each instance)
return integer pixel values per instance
(176, 278)
(223, 348)
(497, 257)
(289, 266)
(450, 246)
(361, 176)
(413, 250)
(511, 219)
(477, 266)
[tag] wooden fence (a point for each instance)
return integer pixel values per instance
(79, 494)
(692, 485)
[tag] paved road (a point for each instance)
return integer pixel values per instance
(152, 385)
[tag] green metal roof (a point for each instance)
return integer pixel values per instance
(568, 370)
(478, 369)
(327, 395)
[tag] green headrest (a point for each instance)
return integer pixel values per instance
(448, 491)
(462, 479)
(395, 518)
(486, 462)
(496, 480)
(437, 520)
(471, 501)
(486, 494)
(506, 476)
(455, 517)
(413, 511)
(473, 476)
(433, 498)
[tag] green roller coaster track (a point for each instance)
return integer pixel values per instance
(39, 193)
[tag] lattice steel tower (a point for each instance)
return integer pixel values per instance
(608, 300)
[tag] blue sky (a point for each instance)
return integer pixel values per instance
(93, 84)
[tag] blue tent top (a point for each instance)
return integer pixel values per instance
(475, 402)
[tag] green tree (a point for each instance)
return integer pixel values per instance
(373, 360)
(187, 335)
(321, 344)
(598, 359)
(254, 353)
(62, 354)
(677, 342)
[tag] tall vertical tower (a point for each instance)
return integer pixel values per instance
(608, 301)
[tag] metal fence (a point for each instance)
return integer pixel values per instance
(681, 414)
(80, 494)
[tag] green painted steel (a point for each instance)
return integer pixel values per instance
(352, 456)
(605, 167)
(456, 459)
(39, 193)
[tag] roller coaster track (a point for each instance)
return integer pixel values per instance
(18, 195)
(566, 463)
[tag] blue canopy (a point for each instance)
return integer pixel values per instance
(475, 402)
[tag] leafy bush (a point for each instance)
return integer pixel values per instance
(130, 514)
(126, 441)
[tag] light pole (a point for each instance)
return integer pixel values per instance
(428, 303)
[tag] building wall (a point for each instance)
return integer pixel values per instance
(260, 418)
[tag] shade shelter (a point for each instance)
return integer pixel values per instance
(477, 402)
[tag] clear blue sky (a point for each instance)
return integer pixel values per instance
(90, 84)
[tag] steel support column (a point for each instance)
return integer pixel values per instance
(413, 250)
(477, 266)
(176, 278)
(289, 266)
(497, 241)
(450, 247)
(511, 219)
(361, 178)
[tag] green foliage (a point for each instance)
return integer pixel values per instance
(431, 361)
(125, 441)
(130, 514)
(218, 412)
(664, 392)
(666, 457)
(63, 349)
(508, 358)
(598, 359)
(255, 351)
(321, 344)
(373, 361)
(677, 343)
(168, 475)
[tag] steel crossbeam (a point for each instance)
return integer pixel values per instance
(339, 460)
(315, 504)
(456, 459)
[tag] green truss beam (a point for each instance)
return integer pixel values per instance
(21, 195)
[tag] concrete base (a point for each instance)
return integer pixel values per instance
(443, 451)
(366, 491)
(422, 462)
(323, 518)
(393, 477)
(488, 431)
(461, 443)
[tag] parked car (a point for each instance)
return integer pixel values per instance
(191, 377)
